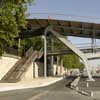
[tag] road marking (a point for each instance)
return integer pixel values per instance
(38, 95)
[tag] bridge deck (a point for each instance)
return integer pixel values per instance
(69, 28)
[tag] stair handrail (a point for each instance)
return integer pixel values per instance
(29, 52)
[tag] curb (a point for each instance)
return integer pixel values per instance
(10, 88)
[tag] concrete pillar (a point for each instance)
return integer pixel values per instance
(54, 70)
(57, 65)
(61, 67)
(35, 70)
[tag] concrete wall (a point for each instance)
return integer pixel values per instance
(35, 70)
(28, 75)
(32, 71)
(6, 63)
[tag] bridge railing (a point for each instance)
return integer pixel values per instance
(85, 49)
(62, 16)
(89, 48)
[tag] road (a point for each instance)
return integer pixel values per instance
(57, 91)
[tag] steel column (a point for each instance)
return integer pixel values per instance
(93, 43)
(52, 57)
(45, 53)
(45, 56)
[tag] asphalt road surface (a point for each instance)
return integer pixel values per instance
(57, 91)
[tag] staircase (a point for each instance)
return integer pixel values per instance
(17, 71)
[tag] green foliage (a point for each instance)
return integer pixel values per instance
(71, 61)
(35, 42)
(12, 20)
(58, 44)
(8, 27)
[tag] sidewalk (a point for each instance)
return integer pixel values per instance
(38, 82)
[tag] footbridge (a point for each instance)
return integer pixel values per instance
(88, 52)
(60, 29)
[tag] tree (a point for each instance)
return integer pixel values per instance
(72, 61)
(35, 42)
(12, 20)
(59, 45)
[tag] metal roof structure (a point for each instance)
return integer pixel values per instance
(65, 27)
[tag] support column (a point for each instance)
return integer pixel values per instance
(52, 57)
(45, 56)
(57, 68)
(93, 43)
(61, 66)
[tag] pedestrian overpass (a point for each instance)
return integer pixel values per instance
(90, 56)
(60, 29)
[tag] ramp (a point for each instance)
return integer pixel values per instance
(72, 47)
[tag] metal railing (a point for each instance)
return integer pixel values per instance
(62, 16)
(29, 52)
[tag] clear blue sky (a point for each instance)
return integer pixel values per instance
(78, 7)
(88, 9)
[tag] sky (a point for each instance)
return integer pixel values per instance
(78, 10)
(85, 8)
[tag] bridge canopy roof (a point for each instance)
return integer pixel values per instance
(65, 27)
